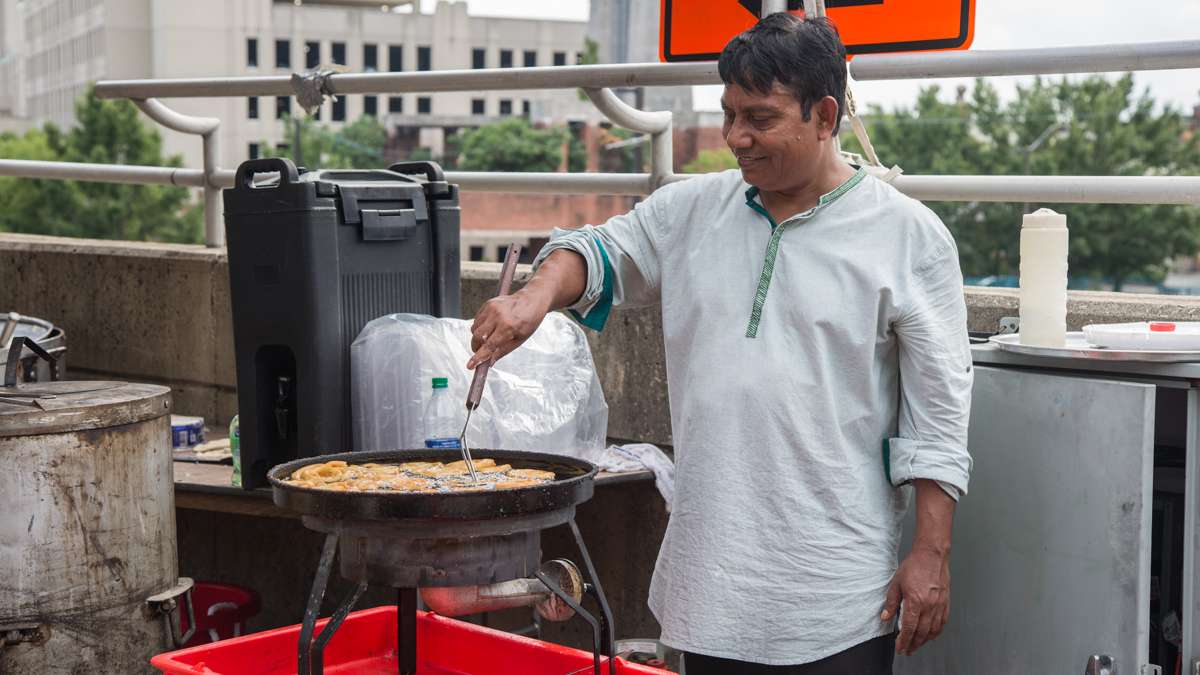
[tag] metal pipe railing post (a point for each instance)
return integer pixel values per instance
(206, 128)
(662, 157)
(214, 225)
(655, 123)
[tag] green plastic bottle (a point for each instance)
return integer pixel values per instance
(234, 445)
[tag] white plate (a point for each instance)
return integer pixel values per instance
(1077, 347)
(1138, 336)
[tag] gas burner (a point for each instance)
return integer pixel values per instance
(472, 550)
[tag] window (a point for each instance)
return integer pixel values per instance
(283, 148)
(525, 107)
(316, 113)
(478, 58)
(424, 105)
(395, 104)
(370, 57)
(560, 58)
(395, 58)
(253, 151)
(338, 53)
(505, 106)
(424, 58)
(530, 58)
(312, 54)
(371, 105)
(506, 58)
(501, 251)
(283, 54)
(477, 106)
(476, 253)
(338, 112)
(578, 58)
(252, 107)
(252, 52)
(283, 106)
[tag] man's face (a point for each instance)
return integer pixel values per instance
(775, 148)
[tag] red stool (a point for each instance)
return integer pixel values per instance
(221, 611)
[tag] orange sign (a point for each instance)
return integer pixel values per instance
(697, 30)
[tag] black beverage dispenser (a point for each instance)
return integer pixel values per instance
(313, 257)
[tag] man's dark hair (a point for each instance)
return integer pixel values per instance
(806, 56)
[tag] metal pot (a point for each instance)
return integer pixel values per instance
(87, 541)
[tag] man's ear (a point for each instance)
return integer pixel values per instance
(827, 117)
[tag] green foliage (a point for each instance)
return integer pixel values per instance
(107, 132)
(1104, 129)
(590, 56)
(357, 145)
(512, 144)
(576, 155)
(711, 161)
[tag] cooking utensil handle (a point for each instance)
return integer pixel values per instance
(507, 272)
(14, 359)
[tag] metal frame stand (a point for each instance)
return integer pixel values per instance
(310, 650)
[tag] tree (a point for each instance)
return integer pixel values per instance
(107, 132)
(710, 161)
(1093, 126)
(511, 145)
(358, 145)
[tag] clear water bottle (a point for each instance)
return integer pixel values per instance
(443, 418)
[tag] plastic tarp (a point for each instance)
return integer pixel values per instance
(543, 397)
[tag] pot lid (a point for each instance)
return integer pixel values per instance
(53, 407)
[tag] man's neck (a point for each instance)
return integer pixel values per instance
(783, 204)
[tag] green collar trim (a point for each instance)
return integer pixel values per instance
(768, 268)
(754, 202)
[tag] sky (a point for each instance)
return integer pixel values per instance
(999, 24)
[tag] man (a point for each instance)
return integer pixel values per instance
(817, 361)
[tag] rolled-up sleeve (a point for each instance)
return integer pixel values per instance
(935, 377)
(622, 259)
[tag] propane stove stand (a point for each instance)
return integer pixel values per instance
(311, 648)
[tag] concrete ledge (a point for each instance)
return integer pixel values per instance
(161, 313)
(136, 311)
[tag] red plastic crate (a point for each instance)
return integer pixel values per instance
(366, 645)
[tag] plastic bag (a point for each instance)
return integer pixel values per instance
(543, 397)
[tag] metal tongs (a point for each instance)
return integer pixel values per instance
(481, 371)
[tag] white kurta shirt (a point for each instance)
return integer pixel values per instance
(813, 368)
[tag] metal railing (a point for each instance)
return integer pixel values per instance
(597, 82)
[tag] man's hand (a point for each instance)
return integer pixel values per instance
(920, 590)
(503, 323)
(923, 584)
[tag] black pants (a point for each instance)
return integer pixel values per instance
(873, 657)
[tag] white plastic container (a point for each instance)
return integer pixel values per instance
(1155, 335)
(1044, 246)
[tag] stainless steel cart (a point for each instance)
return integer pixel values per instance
(1060, 548)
